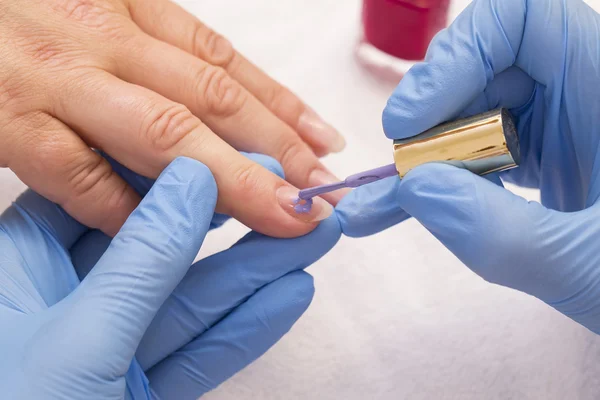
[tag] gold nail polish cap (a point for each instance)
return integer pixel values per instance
(482, 144)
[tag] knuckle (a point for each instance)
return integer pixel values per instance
(102, 20)
(91, 181)
(54, 50)
(45, 50)
(218, 92)
(50, 50)
(77, 9)
(247, 178)
(291, 150)
(88, 11)
(165, 127)
(86, 173)
(212, 47)
(113, 200)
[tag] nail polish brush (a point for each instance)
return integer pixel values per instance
(482, 144)
(352, 181)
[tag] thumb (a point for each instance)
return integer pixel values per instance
(508, 240)
(145, 261)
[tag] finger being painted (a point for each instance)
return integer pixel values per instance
(142, 184)
(145, 132)
(226, 107)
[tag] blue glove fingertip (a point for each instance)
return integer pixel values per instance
(291, 297)
(371, 208)
(196, 175)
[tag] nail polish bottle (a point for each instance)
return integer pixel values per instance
(396, 33)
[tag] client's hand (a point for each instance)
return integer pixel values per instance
(189, 329)
(146, 82)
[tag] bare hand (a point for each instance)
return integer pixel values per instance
(146, 82)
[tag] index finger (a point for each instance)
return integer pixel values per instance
(145, 132)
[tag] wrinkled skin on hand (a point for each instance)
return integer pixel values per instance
(146, 82)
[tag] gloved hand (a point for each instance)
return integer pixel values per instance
(540, 59)
(188, 328)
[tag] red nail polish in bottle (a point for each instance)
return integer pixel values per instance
(396, 33)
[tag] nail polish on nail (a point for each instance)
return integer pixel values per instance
(319, 132)
(303, 206)
(287, 197)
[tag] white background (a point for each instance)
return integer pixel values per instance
(395, 316)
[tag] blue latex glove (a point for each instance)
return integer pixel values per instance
(541, 59)
(188, 328)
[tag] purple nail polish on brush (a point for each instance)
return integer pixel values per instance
(464, 145)
(352, 181)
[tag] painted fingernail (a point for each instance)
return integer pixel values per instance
(320, 177)
(320, 133)
(307, 211)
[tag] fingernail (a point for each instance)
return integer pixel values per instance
(320, 133)
(287, 197)
(320, 177)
